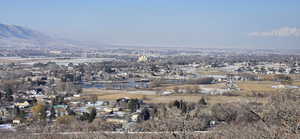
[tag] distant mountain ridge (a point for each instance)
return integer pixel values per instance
(14, 36)
(19, 32)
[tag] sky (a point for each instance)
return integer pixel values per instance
(182, 23)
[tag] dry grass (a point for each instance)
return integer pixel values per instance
(295, 76)
(258, 86)
(296, 83)
(195, 98)
(210, 71)
(117, 96)
(99, 135)
(102, 91)
(213, 72)
(22, 60)
(247, 89)
(172, 87)
(112, 95)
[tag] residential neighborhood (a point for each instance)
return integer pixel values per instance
(149, 69)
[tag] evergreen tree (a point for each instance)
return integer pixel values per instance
(52, 113)
(133, 105)
(145, 115)
(92, 115)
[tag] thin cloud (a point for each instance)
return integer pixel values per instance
(281, 32)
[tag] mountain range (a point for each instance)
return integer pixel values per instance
(18, 32)
(14, 36)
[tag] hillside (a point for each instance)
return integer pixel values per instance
(19, 32)
(14, 36)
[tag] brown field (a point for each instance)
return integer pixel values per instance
(245, 95)
(296, 83)
(111, 95)
(171, 87)
(258, 86)
(22, 60)
(212, 99)
(211, 72)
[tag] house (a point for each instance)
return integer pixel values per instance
(109, 110)
(76, 95)
(278, 86)
(134, 117)
(123, 102)
(167, 93)
(4, 112)
(95, 104)
(22, 104)
(116, 120)
(16, 121)
(60, 110)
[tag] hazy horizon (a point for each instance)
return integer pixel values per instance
(203, 24)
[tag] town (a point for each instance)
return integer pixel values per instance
(121, 91)
(149, 69)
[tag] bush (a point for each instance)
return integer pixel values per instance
(208, 80)
(225, 112)
(66, 120)
(258, 94)
(231, 94)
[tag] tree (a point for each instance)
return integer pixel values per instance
(92, 115)
(180, 105)
(93, 98)
(188, 89)
(89, 116)
(70, 111)
(202, 101)
(282, 77)
(84, 116)
(176, 103)
(207, 80)
(66, 120)
(39, 111)
(18, 113)
(145, 115)
(176, 89)
(8, 92)
(133, 105)
(52, 113)
(156, 83)
(226, 113)
(196, 89)
(58, 100)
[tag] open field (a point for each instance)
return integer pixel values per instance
(245, 95)
(296, 83)
(247, 88)
(211, 72)
(258, 86)
(31, 61)
(112, 95)
(23, 60)
(195, 98)
(171, 87)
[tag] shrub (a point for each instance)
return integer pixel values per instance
(66, 120)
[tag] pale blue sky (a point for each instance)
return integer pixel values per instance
(197, 23)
